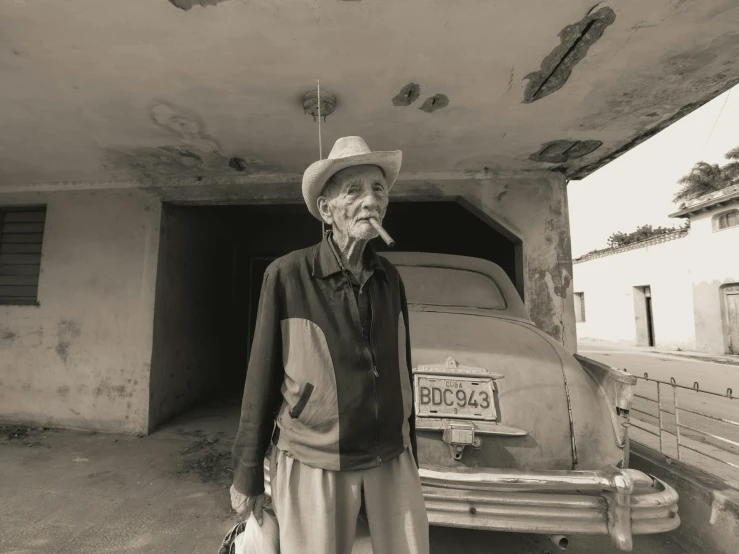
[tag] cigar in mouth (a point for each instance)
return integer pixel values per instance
(383, 233)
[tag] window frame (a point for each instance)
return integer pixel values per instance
(9, 276)
(492, 281)
(717, 220)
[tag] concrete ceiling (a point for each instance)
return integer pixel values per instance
(149, 91)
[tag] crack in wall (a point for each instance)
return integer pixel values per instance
(187, 5)
(407, 95)
(557, 67)
(559, 151)
(433, 103)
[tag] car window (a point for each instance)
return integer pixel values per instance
(444, 286)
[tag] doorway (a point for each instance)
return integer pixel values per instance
(644, 316)
(212, 261)
(731, 299)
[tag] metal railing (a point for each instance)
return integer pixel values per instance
(683, 431)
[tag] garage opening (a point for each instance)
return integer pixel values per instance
(211, 263)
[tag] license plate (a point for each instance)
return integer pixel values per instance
(457, 397)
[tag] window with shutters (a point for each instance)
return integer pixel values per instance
(21, 237)
(726, 220)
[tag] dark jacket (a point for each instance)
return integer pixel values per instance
(341, 401)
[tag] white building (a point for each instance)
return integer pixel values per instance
(679, 290)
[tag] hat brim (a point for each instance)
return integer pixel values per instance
(315, 177)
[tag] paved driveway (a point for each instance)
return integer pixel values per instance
(66, 492)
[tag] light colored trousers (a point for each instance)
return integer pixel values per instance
(317, 509)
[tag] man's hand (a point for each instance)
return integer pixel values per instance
(244, 505)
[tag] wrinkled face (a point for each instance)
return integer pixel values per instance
(351, 197)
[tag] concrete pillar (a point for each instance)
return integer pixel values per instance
(530, 208)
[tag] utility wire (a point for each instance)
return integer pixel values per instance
(726, 100)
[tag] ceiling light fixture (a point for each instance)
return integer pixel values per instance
(310, 104)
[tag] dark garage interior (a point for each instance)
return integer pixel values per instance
(211, 263)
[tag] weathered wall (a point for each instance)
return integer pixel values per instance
(81, 358)
(714, 263)
(608, 283)
(528, 207)
(535, 209)
(85, 356)
(187, 360)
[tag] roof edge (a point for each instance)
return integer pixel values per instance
(708, 200)
(666, 237)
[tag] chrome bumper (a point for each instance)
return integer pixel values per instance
(611, 501)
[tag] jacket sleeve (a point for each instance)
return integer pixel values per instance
(260, 403)
(406, 320)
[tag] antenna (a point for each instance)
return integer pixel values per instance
(320, 146)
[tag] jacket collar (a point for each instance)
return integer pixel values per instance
(326, 261)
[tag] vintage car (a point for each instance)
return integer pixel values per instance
(514, 432)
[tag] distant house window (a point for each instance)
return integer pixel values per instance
(21, 236)
(579, 307)
(726, 220)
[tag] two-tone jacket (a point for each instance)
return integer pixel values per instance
(340, 400)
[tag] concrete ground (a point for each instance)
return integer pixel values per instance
(71, 492)
(712, 373)
(594, 346)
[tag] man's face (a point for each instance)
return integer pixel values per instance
(354, 195)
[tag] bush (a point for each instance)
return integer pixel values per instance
(644, 232)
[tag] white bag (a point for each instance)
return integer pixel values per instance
(256, 539)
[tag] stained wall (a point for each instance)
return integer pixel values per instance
(115, 345)
(81, 358)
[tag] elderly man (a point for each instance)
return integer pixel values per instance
(330, 363)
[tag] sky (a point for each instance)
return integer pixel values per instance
(637, 188)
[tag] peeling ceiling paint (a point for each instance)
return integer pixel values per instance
(407, 95)
(188, 4)
(193, 152)
(134, 90)
(435, 102)
(576, 40)
(558, 151)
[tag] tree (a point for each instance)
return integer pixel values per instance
(702, 179)
(642, 233)
(732, 168)
(705, 177)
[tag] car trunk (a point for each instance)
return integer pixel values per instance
(531, 395)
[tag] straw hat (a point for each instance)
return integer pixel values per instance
(347, 152)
